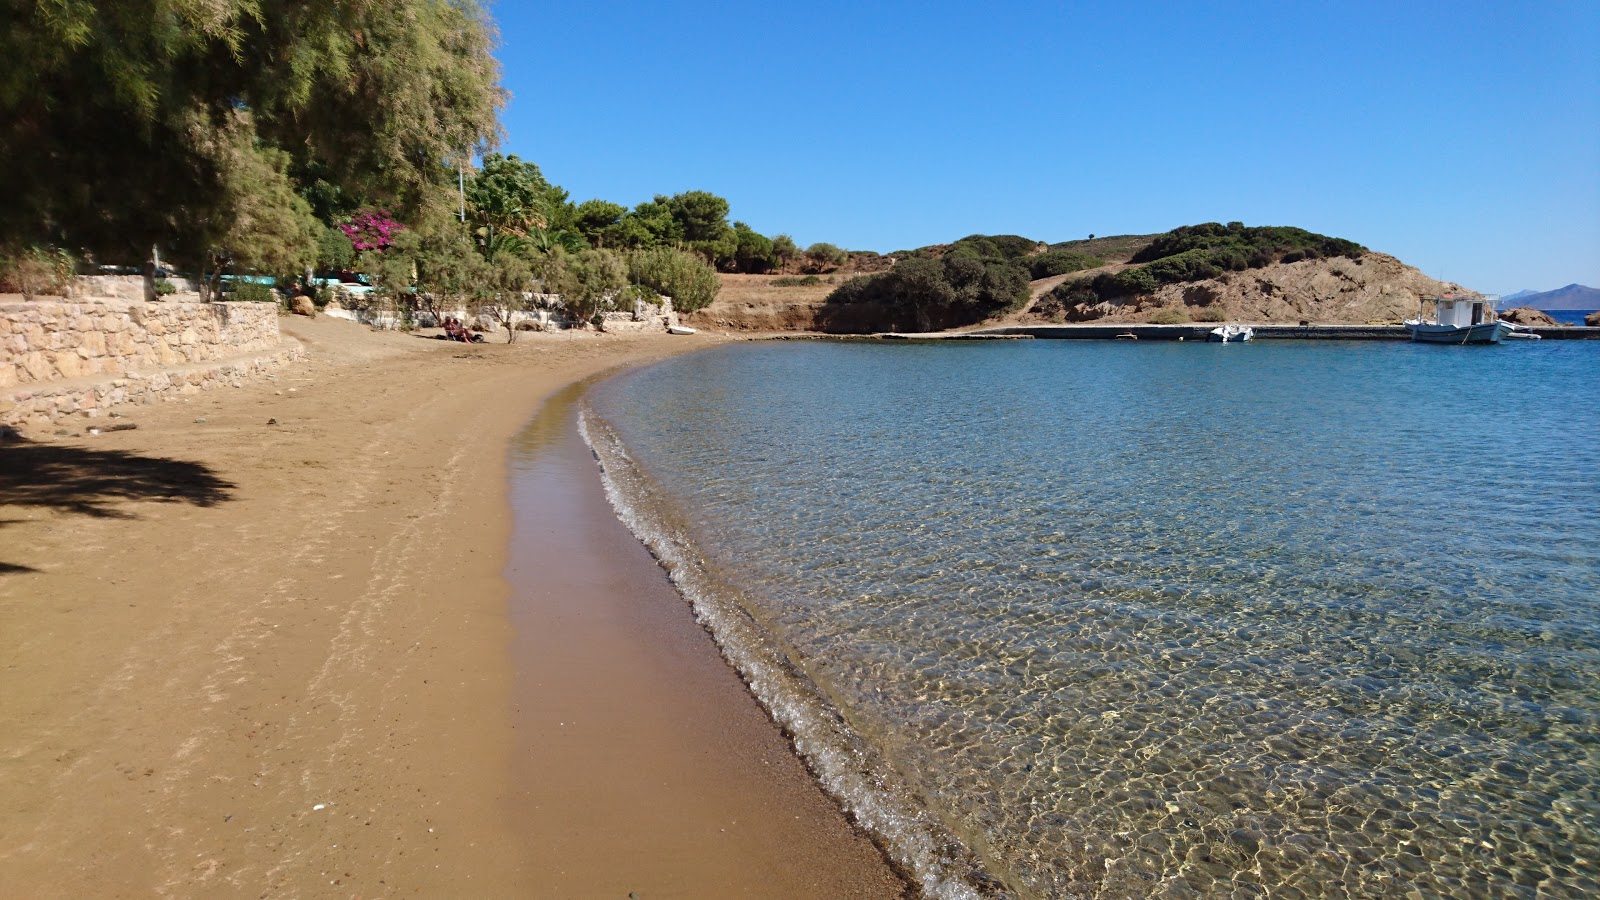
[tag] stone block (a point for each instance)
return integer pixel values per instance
(36, 365)
(94, 344)
(69, 364)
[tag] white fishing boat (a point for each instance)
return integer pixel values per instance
(1458, 320)
(679, 329)
(1231, 334)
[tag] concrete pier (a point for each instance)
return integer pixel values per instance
(1200, 331)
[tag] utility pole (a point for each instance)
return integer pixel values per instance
(461, 186)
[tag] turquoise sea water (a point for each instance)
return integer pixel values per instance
(1289, 619)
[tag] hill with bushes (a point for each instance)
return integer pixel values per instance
(1206, 272)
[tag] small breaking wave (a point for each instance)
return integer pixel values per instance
(848, 767)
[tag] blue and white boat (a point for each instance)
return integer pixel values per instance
(1458, 320)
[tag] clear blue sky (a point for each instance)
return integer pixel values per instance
(1462, 137)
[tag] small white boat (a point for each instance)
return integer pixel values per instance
(1458, 320)
(1521, 333)
(1231, 334)
(679, 329)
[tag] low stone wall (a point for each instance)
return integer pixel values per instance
(43, 341)
(64, 358)
(124, 287)
(50, 404)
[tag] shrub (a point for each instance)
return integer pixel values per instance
(1169, 316)
(165, 287)
(1060, 262)
(682, 276)
(1210, 314)
(1228, 243)
(790, 281)
(250, 292)
(1193, 265)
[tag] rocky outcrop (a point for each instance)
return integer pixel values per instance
(1592, 320)
(1527, 315)
(1375, 289)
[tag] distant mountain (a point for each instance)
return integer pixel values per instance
(1573, 296)
(1517, 296)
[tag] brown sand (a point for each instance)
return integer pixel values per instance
(252, 659)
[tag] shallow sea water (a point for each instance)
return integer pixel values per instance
(1289, 619)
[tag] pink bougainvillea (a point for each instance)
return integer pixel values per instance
(371, 229)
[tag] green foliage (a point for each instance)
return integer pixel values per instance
(592, 218)
(685, 277)
(1060, 262)
(1191, 265)
(753, 253)
(250, 292)
(1005, 246)
(962, 287)
(510, 195)
(1169, 316)
(597, 277)
(796, 282)
(1199, 252)
(335, 252)
(785, 250)
(1234, 244)
(165, 287)
(824, 256)
(161, 122)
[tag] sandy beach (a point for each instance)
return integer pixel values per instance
(267, 644)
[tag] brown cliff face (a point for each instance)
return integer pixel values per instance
(1375, 289)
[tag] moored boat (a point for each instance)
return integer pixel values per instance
(679, 329)
(1458, 320)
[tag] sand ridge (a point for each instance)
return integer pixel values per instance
(268, 654)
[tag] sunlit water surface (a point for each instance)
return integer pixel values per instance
(1296, 619)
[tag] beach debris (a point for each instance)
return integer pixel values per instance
(200, 421)
(319, 806)
(120, 426)
(272, 421)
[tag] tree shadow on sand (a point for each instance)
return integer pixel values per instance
(88, 481)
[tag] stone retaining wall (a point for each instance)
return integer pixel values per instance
(65, 358)
(43, 341)
(50, 404)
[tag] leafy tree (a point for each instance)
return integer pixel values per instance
(132, 124)
(508, 195)
(591, 218)
(598, 275)
(753, 252)
(702, 219)
(504, 293)
(264, 225)
(823, 257)
(784, 250)
(449, 268)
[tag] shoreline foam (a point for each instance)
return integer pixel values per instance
(845, 764)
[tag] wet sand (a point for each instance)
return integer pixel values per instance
(247, 657)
